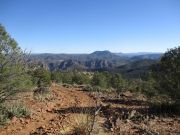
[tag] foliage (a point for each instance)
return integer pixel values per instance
(7, 113)
(167, 73)
(99, 79)
(56, 77)
(3, 115)
(41, 77)
(117, 81)
(70, 77)
(19, 111)
(42, 93)
(164, 107)
(80, 78)
(108, 80)
(90, 88)
(147, 87)
(13, 67)
(67, 77)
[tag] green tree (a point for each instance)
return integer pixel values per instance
(107, 76)
(13, 67)
(56, 76)
(99, 79)
(80, 78)
(42, 77)
(67, 77)
(117, 81)
(167, 73)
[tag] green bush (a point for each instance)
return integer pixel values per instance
(4, 118)
(42, 77)
(90, 88)
(67, 77)
(56, 76)
(147, 87)
(80, 78)
(99, 79)
(19, 111)
(108, 80)
(7, 113)
(74, 77)
(117, 81)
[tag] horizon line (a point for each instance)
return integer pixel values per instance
(151, 52)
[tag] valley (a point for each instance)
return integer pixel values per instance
(100, 61)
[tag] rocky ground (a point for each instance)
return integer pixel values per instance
(70, 109)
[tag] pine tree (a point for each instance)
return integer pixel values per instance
(13, 67)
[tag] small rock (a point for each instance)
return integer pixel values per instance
(127, 94)
(20, 128)
(14, 119)
(112, 129)
(128, 121)
(27, 121)
(22, 120)
(43, 127)
(132, 114)
(49, 110)
(39, 110)
(59, 123)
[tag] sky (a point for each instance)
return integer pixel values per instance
(84, 26)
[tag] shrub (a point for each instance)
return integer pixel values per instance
(90, 88)
(84, 120)
(82, 124)
(67, 77)
(74, 77)
(164, 108)
(56, 77)
(147, 87)
(19, 111)
(42, 93)
(42, 77)
(80, 78)
(117, 81)
(96, 88)
(7, 113)
(99, 80)
(4, 118)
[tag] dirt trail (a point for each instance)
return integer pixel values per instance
(44, 119)
(58, 114)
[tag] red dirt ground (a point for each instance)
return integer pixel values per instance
(54, 115)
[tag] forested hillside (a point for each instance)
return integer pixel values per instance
(129, 65)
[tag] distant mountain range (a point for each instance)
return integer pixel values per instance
(130, 55)
(98, 60)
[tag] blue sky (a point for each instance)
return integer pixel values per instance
(83, 26)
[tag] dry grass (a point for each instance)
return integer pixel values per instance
(42, 97)
(82, 120)
(81, 125)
